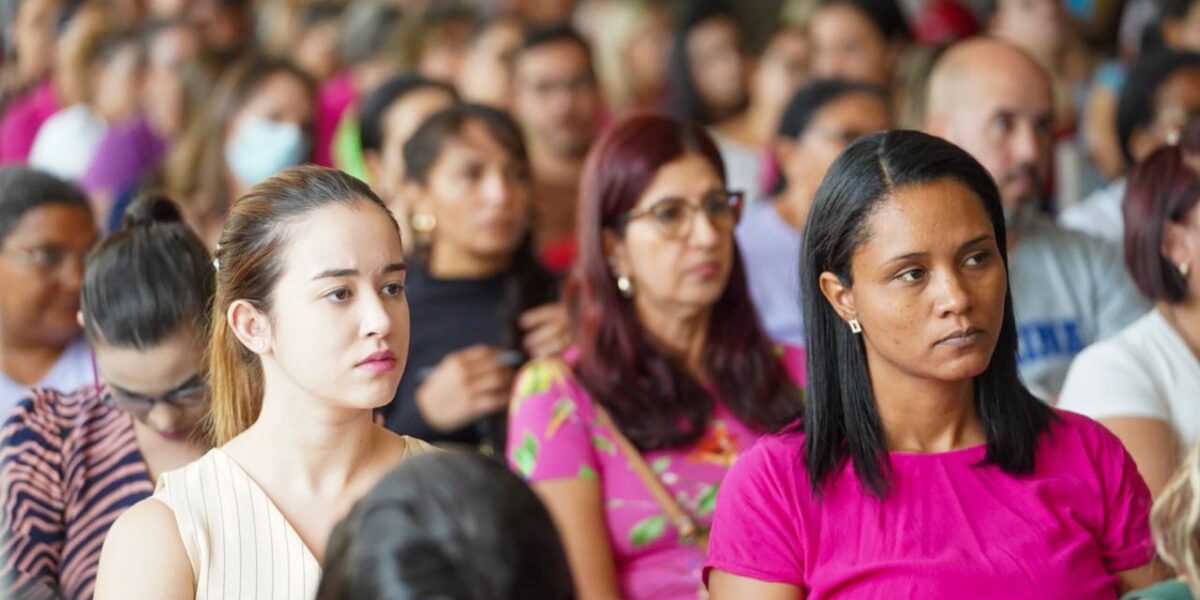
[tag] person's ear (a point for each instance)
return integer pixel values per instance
(617, 254)
(784, 149)
(839, 296)
(251, 326)
(79, 319)
(1176, 246)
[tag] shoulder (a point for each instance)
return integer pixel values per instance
(56, 411)
(144, 540)
(547, 379)
(1073, 436)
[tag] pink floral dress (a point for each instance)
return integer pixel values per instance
(554, 433)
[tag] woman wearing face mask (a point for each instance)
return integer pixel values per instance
(73, 462)
(628, 439)
(482, 300)
(258, 123)
(819, 122)
(1143, 383)
(46, 230)
(707, 68)
(390, 115)
(309, 337)
(920, 465)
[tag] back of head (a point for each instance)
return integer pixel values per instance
(1137, 105)
(457, 526)
(148, 281)
(814, 96)
(249, 263)
(23, 189)
(1175, 521)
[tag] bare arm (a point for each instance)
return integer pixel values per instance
(1142, 577)
(1152, 444)
(143, 557)
(727, 586)
(577, 506)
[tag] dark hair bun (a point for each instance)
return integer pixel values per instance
(150, 209)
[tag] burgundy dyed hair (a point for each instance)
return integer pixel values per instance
(651, 397)
(1164, 187)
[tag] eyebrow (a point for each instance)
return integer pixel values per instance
(917, 255)
(335, 273)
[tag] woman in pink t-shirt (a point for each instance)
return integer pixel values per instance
(921, 466)
(672, 375)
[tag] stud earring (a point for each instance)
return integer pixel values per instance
(855, 326)
(1184, 269)
(625, 286)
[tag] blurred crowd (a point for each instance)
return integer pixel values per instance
(637, 238)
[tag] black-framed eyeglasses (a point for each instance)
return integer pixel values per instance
(674, 216)
(190, 394)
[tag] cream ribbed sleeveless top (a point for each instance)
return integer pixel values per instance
(238, 542)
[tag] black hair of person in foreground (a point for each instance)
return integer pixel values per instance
(451, 526)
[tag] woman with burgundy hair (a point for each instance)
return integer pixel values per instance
(1142, 383)
(628, 437)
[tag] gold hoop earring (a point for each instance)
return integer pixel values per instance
(423, 222)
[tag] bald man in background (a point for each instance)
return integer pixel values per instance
(1069, 290)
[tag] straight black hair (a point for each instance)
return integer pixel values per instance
(840, 419)
(150, 280)
(885, 15)
(541, 35)
(23, 189)
(451, 525)
(379, 101)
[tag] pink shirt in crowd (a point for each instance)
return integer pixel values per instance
(332, 101)
(951, 527)
(553, 433)
(22, 119)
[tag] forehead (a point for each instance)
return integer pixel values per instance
(925, 217)
(1010, 85)
(58, 222)
(559, 56)
(407, 113)
(340, 236)
(687, 176)
(866, 111)
(475, 138)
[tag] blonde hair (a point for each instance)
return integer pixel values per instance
(1175, 519)
(248, 263)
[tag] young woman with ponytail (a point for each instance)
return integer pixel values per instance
(309, 336)
(71, 463)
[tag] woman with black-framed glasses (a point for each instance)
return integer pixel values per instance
(71, 463)
(628, 437)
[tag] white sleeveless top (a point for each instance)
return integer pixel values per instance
(238, 542)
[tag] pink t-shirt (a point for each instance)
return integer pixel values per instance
(22, 120)
(951, 527)
(553, 433)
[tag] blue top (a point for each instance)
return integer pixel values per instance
(770, 250)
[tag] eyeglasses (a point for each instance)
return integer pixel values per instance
(191, 394)
(674, 216)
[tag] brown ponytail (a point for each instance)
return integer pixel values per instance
(248, 265)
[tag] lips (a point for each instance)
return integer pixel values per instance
(707, 269)
(379, 362)
(962, 337)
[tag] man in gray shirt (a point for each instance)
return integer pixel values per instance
(1068, 288)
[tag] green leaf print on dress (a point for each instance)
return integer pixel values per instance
(536, 378)
(706, 502)
(648, 530)
(525, 455)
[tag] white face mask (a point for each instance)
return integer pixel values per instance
(261, 148)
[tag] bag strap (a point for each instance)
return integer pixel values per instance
(688, 530)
